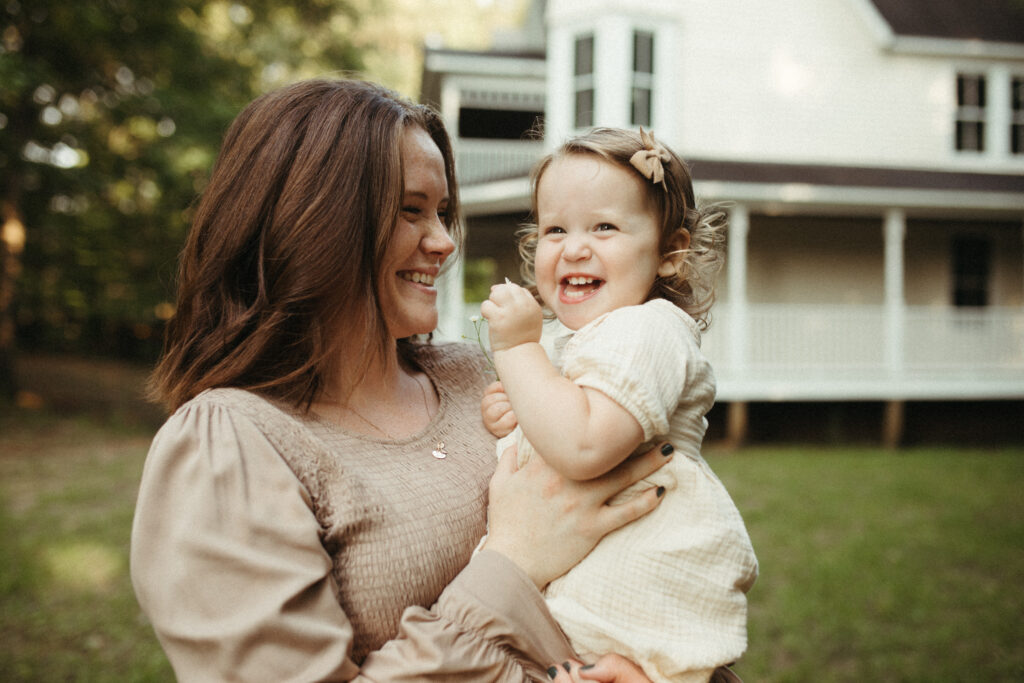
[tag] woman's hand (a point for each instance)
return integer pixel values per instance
(546, 523)
(608, 669)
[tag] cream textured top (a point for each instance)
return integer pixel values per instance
(669, 590)
(272, 546)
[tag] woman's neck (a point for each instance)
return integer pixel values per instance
(387, 399)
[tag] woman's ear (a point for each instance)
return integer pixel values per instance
(677, 244)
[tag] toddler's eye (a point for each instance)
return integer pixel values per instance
(552, 230)
(605, 227)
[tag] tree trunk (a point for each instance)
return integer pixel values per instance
(12, 242)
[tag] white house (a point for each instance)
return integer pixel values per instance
(871, 153)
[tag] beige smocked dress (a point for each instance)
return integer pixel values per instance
(272, 546)
(669, 590)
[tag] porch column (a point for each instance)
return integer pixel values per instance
(739, 318)
(895, 316)
(613, 38)
(451, 102)
(451, 309)
(895, 231)
(739, 226)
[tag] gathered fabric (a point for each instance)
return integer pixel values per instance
(271, 545)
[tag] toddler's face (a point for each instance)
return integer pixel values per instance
(597, 243)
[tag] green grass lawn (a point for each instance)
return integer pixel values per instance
(883, 566)
(875, 566)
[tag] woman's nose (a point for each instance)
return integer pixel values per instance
(437, 240)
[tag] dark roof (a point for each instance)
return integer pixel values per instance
(854, 176)
(518, 54)
(989, 20)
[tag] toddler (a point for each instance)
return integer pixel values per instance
(622, 257)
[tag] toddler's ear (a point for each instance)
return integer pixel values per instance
(677, 244)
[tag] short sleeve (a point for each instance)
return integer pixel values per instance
(640, 357)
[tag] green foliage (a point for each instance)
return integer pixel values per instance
(110, 116)
(479, 275)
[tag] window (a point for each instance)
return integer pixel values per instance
(970, 112)
(497, 124)
(972, 258)
(583, 81)
(643, 77)
(1017, 115)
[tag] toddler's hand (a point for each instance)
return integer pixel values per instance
(513, 316)
(496, 411)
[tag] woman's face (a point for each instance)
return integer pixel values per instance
(420, 242)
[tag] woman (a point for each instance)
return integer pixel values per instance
(309, 510)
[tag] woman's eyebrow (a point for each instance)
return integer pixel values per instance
(420, 194)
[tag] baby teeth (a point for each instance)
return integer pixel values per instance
(580, 281)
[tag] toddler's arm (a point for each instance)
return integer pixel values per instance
(496, 411)
(581, 432)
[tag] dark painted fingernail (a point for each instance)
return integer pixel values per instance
(660, 492)
(667, 449)
(567, 667)
(587, 667)
(552, 672)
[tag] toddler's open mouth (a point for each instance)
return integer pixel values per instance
(575, 287)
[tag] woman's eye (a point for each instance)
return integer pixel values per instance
(411, 209)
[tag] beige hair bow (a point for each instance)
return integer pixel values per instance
(650, 159)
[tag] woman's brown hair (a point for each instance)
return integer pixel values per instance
(286, 241)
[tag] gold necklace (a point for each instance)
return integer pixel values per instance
(438, 452)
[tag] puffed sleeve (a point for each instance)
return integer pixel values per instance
(640, 357)
(227, 564)
(226, 559)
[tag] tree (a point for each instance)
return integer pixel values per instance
(110, 115)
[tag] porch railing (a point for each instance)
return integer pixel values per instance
(845, 352)
(480, 161)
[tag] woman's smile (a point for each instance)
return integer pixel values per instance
(417, 277)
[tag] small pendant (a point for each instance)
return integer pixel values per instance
(439, 452)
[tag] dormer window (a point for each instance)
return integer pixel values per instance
(970, 112)
(583, 81)
(643, 78)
